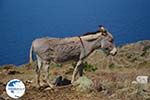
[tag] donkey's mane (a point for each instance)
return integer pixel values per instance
(90, 33)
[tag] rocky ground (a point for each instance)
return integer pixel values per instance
(111, 76)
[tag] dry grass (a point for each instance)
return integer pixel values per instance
(115, 74)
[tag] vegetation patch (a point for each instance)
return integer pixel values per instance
(89, 67)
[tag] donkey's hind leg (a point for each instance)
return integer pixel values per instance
(38, 70)
(46, 70)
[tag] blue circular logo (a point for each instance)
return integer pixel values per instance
(15, 88)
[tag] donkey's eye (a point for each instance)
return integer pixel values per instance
(111, 40)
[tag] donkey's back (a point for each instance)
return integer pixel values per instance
(57, 49)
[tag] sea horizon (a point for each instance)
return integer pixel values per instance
(23, 21)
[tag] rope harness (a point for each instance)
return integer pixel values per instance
(82, 44)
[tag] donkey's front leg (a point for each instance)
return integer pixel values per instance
(80, 69)
(76, 70)
(46, 68)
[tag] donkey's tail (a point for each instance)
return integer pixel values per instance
(31, 51)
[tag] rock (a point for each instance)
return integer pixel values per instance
(142, 79)
(28, 81)
(83, 84)
(60, 81)
(134, 82)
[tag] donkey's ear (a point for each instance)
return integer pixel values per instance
(101, 28)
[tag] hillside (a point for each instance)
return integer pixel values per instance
(114, 74)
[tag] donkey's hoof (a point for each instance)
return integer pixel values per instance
(72, 81)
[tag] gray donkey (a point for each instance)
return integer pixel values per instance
(59, 50)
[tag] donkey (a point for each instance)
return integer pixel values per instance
(59, 50)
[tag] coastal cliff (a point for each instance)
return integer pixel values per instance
(113, 73)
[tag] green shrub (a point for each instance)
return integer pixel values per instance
(112, 65)
(87, 67)
(58, 65)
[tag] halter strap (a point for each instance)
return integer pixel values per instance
(82, 44)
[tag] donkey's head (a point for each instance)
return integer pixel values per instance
(107, 41)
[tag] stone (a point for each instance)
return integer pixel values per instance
(83, 84)
(142, 79)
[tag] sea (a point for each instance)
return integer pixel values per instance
(22, 21)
